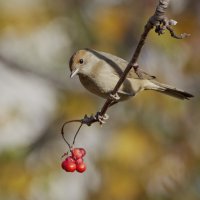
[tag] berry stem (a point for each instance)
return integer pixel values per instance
(63, 133)
(74, 140)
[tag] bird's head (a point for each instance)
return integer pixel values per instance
(81, 62)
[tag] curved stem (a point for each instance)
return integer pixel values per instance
(76, 134)
(63, 133)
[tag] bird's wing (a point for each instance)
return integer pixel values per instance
(118, 69)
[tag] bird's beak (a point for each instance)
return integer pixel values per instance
(73, 73)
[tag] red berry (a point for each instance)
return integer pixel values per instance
(81, 167)
(79, 161)
(70, 159)
(68, 166)
(76, 153)
(82, 151)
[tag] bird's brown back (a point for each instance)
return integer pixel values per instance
(118, 64)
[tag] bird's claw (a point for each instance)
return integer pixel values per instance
(101, 119)
(114, 97)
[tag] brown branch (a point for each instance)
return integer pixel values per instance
(156, 19)
(161, 23)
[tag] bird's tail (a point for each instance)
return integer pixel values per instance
(168, 90)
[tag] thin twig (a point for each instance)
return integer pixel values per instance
(63, 132)
(174, 35)
(76, 134)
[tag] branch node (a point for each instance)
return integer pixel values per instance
(88, 120)
(165, 24)
(172, 22)
(162, 26)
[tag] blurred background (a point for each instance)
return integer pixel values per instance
(149, 148)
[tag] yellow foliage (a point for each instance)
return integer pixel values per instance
(77, 104)
(120, 185)
(110, 23)
(15, 179)
(134, 146)
(24, 20)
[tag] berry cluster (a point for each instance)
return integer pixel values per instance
(75, 161)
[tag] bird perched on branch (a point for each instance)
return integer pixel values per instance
(99, 72)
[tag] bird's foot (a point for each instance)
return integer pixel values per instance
(88, 120)
(100, 118)
(114, 97)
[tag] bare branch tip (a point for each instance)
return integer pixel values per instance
(174, 35)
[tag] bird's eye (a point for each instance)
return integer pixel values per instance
(81, 61)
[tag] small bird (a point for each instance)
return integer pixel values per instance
(99, 72)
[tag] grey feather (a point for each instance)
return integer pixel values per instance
(172, 91)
